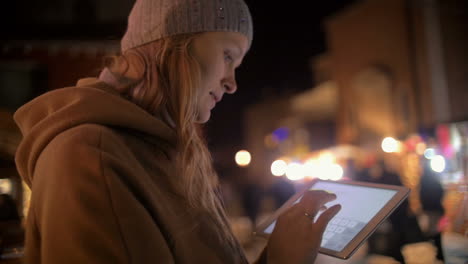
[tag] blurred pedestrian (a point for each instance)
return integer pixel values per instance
(405, 228)
(118, 168)
(431, 194)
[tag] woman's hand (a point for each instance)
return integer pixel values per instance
(296, 237)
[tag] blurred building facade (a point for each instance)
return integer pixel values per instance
(403, 61)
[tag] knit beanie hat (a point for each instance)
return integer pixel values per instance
(152, 20)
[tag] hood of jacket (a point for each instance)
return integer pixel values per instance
(90, 101)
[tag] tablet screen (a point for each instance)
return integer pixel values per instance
(360, 204)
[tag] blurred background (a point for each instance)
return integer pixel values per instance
(369, 90)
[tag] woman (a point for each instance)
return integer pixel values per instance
(118, 169)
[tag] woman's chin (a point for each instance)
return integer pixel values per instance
(203, 118)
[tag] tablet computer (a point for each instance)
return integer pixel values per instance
(364, 206)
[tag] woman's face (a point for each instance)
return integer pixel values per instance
(219, 54)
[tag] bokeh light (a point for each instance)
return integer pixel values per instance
(326, 158)
(420, 148)
(311, 168)
(322, 173)
(429, 153)
(5, 186)
(390, 145)
(243, 158)
(270, 141)
(438, 163)
(281, 133)
(278, 167)
(336, 172)
(295, 171)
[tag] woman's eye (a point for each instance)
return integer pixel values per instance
(228, 57)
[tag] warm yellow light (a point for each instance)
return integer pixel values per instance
(326, 158)
(311, 168)
(420, 148)
(336, 172)
(278, 167)
(295, 171)
(438, 163)
(5, 186)
(243, 158)
(270, 141)
(323, 172)
(390, 145)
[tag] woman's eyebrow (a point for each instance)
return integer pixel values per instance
(237, 48)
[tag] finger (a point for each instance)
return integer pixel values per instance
(319, 196)
(294, 212)
(315, 200)
(326, 216)
(300, 209)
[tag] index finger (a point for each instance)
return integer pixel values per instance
(313, 200)
(326, 216)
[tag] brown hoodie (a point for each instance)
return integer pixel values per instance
(99, 169)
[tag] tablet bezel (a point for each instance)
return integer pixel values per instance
(402, 193)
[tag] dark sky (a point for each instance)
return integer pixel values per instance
(285, 38)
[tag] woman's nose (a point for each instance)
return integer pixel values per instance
(230, 85)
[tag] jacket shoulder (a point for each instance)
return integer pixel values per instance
(86, 136)
(77, 148)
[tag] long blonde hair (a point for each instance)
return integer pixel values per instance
(170, 86)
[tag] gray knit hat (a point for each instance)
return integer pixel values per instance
(151, 20)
